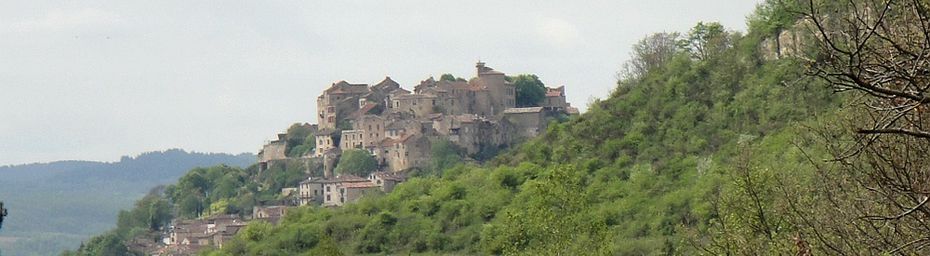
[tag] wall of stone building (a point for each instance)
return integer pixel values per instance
(352, 139)
(419, 105)
(273, 151)
(554, 102)
(310, 192)
(502, 94)
(373, 129)
(401, 127)
(331, 195)
(325, 142)
(411, 153)
(527, 125)
(353, 194)
(332, 108)
(480, 103)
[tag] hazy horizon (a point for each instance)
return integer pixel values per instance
(98, 80)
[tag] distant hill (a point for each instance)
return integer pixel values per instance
(54, 206)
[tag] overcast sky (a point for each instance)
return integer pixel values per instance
(95, 80)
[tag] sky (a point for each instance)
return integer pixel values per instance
(96, 80)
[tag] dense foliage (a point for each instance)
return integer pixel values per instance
(701, 148)
(640, 172)
(530, 90)
(451, 78)
(300, 140)
(47, 199)
(357, 162)
(202, 192)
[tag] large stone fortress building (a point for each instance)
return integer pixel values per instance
(397, 126)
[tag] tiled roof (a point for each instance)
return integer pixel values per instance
(387, 82)
(555, 92)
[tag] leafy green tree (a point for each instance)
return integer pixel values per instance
(356, 162)
(444, 155)
(298, 137)
(451, 78)
(706, 39)
(530, 90)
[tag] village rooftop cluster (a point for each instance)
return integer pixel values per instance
(396, 127)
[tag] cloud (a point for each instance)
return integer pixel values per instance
(558, 32)
(58, 20)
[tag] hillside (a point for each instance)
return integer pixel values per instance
(639, 173)
(806, 135)
(57, 205)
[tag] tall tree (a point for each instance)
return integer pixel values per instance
(650, 53)
(356, 162)
(875, 196)
(706, 39)
(530, 90)
(451, 78)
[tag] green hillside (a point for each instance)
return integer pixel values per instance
(641, 172)
(713, 142)
(54, 206)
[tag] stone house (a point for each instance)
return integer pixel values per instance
(311, 191)
(352, 139)
(372, 128)
(345, 188)
(188, 236)
(272, 151)
(326, 140)
(387, 180)
(528, 122)
(272, 214)
(406, 152)
(338, 101)
(419, 105)
(555, 98)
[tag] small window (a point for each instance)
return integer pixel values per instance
(328, 198)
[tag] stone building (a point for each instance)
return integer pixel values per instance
(271, 214)
(338, 101)
(272, 151)
(345, 188)
(527, 122)
(326, 139)
(555, 98)
(387, 180)
(406, 152)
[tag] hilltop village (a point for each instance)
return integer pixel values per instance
(394, 126)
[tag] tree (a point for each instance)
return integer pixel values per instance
(356, 162)
(650, 53)
(451, 78)
(298, 137)
(530, 90)
(875, 196)
(706, 39)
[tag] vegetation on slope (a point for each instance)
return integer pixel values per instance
(711, 143)
(48, 199)
(637, 174)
